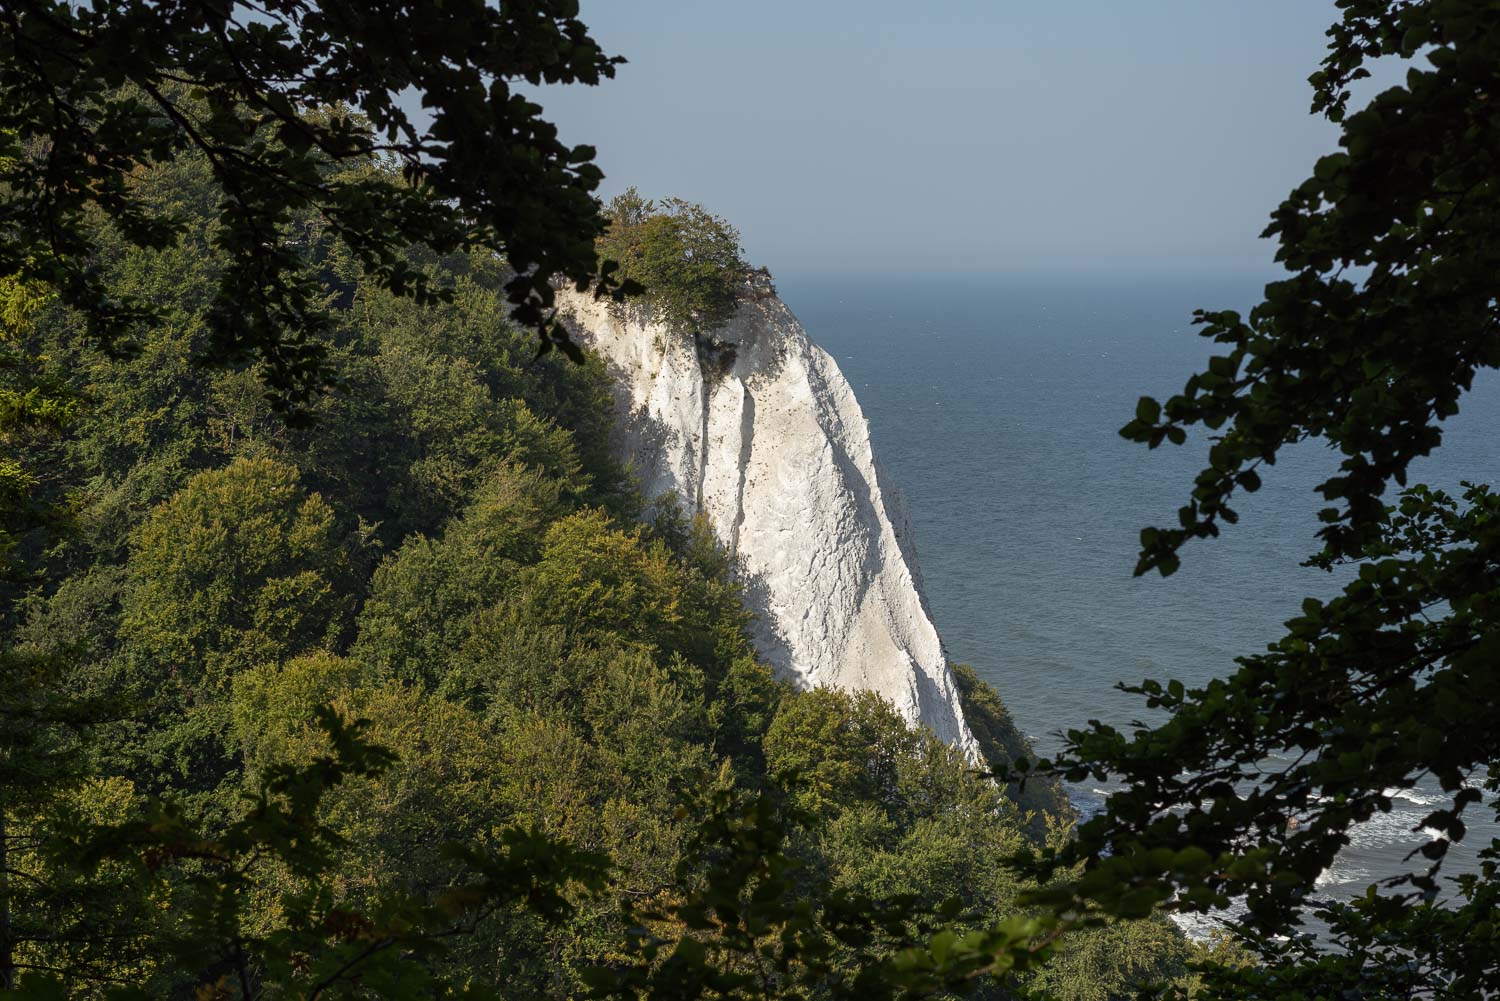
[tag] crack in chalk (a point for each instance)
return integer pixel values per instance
(747, 431)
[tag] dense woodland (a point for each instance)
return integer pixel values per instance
(448, 552)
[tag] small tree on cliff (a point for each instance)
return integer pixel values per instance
(688, 260)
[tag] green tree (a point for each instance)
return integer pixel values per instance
(33, 412)
(1371, 341)
(92, 95)
(46, 727)
(1125, 959)
(242, 567)
(687, 260)
(837, 748)
(46, 722)
(423, 598)
(875, 868)
(260, 909)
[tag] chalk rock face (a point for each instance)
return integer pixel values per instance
(755, 426)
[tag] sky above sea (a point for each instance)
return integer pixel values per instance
(964, 135)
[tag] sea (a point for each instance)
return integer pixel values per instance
(994, 402)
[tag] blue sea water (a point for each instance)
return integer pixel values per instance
(995, 401)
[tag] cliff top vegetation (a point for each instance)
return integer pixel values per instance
(688, 260)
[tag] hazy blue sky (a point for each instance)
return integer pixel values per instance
(972, 135)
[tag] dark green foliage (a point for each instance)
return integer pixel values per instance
(256, 910)
(748, 927)
(899, 813)
(34, 409)
(1371, 365)
(434, 395)
(46, 715)
(241, 567)
(421, 601)
(92, 96)
(1388, 312)
(688, 261)
(1123, 959)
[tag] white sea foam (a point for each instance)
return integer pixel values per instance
(1418, 796)
(1343, 872)
(1201, 927)
(1399, 827)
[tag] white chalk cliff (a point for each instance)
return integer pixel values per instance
(755, 426)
